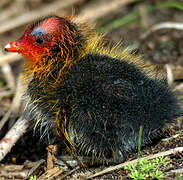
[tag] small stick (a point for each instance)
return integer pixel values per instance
(9, 58)
(119, 166)
(69, 173)
(170, 77)
(101, 10)
(93, 14)
(14, 175)
(26, 18)
(8, 74)
(51, 174)
(10, 10)
(165, 25)
(6, 93)
(4, 3)
(18, 129)
(178, 87)
(35, 167)
(15, 102)
(179, 171)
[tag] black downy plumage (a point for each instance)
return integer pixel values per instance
(101, 101)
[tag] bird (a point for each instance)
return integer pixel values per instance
(91, 96)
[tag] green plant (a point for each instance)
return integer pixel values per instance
(134, 15)
(180, 98)
(140, 141)
(147, 169)
(144, 168)
(33, 177)
(178, 177)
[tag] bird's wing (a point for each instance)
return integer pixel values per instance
(118, 88)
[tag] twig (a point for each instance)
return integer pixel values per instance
(8, 74)
(119, 166)
(169, 71)
(4, 3)
(12, 167)
(101, 10)
(68, 173)
(9, 58)
(165, 25)
(92, 14)
(51, 174)
(18, 129)
(4, 88)
(179, 171)
(10, 10)
(35, 167)
(15, 103)
(15, 175)
(178, 87)
(36, 14)
(143, 16)
(5, 118)
(6, 93)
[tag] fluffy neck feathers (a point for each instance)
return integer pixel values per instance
(74, 43)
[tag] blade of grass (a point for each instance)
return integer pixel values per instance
(120, 22)
(177, 5)
(134, 15)
(140, 141)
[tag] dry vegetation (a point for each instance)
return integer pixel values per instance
(153, 28)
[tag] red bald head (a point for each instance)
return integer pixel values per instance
(46, 37)
(51, 25)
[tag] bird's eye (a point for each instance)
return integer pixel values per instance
(40, 40)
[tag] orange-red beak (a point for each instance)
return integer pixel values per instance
(12, 47)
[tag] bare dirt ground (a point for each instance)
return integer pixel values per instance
(127, 22)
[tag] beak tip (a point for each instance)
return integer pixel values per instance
(7, 47)
(12, 47)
